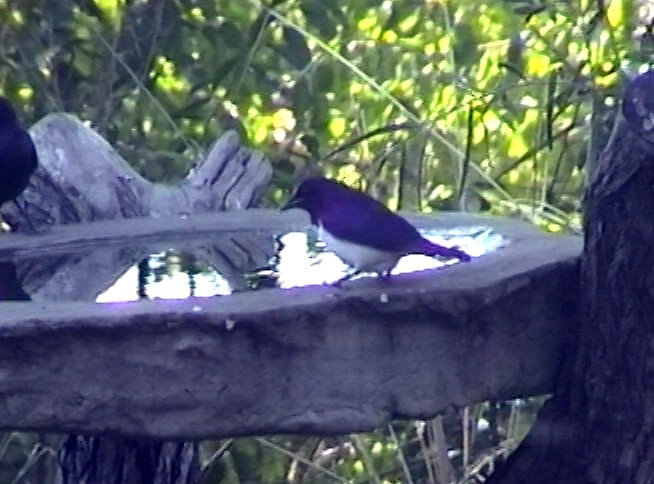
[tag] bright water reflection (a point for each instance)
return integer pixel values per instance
(163, 282)
(303, 263)
(300, 261)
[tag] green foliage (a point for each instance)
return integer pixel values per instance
(403, 452)
(427, 104)
(505, 94)
(23, 454)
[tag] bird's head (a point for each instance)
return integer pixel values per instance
(310, 196)
(7, 113)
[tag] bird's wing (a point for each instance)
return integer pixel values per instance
(370, 224)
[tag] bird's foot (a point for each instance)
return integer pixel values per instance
(384, 276)
(346, 277)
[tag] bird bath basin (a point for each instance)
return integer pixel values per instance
(494, 328)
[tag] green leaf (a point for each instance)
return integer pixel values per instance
(301, 97)
(320, 114)
(295, 49)
(230, 35)
(322, 77)
(319, 16)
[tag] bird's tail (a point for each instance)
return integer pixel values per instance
(432, 250)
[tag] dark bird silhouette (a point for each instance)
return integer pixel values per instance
(17, 154)
(360, 230)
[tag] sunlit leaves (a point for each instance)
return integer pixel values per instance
(16, 17)
(262, 127)
(111, 10)
(517, 147)
(370, 24)
(617, 12)
(338, 69)
(337, 126)
(283, 122)
(167, 77)
(538, 65)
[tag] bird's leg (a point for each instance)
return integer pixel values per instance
(386, 275)
(346, 277)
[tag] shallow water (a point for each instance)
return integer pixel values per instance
(300, 260)
(205, 268)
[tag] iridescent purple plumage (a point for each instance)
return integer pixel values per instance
(362, 231)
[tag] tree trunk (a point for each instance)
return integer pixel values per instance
(95, 460)
(599, 425)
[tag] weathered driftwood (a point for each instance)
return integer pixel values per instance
(314, 359)
(81, 178)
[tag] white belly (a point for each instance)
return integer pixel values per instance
(358, 256)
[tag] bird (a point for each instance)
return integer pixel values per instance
(18, 158)
(360, 230)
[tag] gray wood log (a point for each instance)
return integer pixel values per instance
(314, 359)
(81, 178)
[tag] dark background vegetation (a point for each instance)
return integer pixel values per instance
(428, 105)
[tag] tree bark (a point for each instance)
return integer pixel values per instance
(102, 459)
(599, 425)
